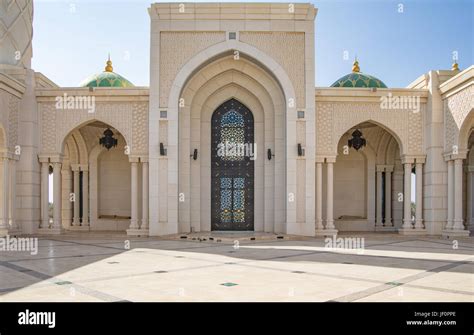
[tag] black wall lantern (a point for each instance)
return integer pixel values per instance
(269, 154)
(195, 154)
(108, 141)
(162, 149)
(300, 150)
(357, 141)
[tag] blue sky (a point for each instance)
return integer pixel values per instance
(73, 38)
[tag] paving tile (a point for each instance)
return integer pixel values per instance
(98, 267)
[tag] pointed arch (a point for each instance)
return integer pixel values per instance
(381, 125)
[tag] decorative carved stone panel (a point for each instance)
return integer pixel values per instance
(335, 118)
(176, 49)
(48, 128)
(13, 121)
(123, 116)
(16, 31)
(291, 57)
(456, 109)
(140, 128)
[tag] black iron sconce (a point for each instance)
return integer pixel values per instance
(195, 154)
(357, 141)
(300, 150)
(108, 141)
(269, 154)
(162, 149)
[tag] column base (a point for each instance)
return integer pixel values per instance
(14, 232)
(412, 231)
(449, 225)
(326, 232)
(50, 231)
(385, 228)
(3, 232)
(455, 233)
(79, 228)
(407, 224)
(137, 232)
(419, 224)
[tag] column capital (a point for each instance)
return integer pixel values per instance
(461, 154)
(331, 159)
(319, 159)
(133, 159)
(57, 158)
(43, 158)
(75, 167)
(144, 159)
(420, 159)
(84, 167)
(389, 168)
(380, 168)
(408, 159)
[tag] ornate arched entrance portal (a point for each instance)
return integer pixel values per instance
(232, 167)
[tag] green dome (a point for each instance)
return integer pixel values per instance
(358, 79)
(108, 78)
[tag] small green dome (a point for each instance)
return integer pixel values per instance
(108, 78)
(358, 79)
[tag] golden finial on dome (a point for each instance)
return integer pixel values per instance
(355, 66)
(109, 67)
(455, 66)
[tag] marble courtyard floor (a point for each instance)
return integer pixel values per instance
(99, 267)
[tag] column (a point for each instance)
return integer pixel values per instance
(57, 195)
(379, 223)
(388, 196)
(144, 224)
(419, 196)
(75, 174)
(407, 196)
(449, 224)
(458, 218)
(330, 195)
(85, 196)
(319, 196)
(44, 195)
(134, 220)
(5, 194)
(470, 197)
(13, 222)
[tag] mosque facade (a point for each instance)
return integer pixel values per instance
(231, 135)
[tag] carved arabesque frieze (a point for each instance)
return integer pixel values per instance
(456, 110)
(48, 127)
(176, 49)
(291, 57)
(140, 128)
(13, 115)
(129, 118)
(333, 119)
